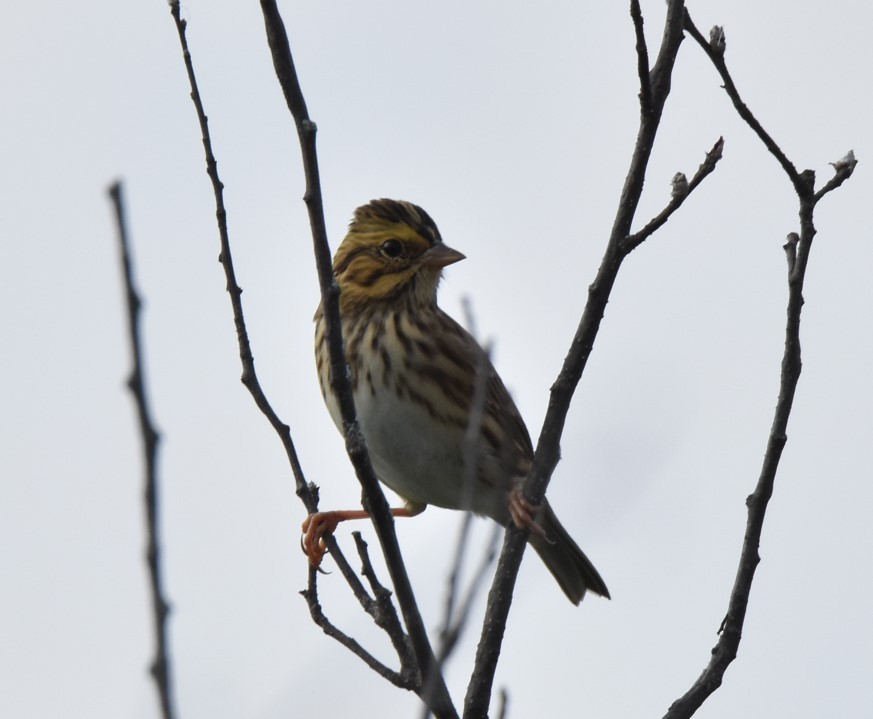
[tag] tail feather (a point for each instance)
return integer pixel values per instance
(563, 558)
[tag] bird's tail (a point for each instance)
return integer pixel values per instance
(567, 563)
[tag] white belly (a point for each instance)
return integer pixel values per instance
(417, 457)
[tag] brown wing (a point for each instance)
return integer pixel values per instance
(505, 437)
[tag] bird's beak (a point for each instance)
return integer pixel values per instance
(440, 255)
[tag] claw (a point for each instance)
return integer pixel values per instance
(523, 514)
(318, 524)
(317, 567)
(315, 526)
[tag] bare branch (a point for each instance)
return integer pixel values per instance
(249, 376)
(502, 704)
(547, 453)
(383, 613)
(452, 630)
(161, 665)
(679, 195)
(843, 169)
(456, 612)
(714, 49)
(471, 461)
(373, 498)
(642, 58)
(797, 248)
(311, 596)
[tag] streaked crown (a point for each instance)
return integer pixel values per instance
(392, 251)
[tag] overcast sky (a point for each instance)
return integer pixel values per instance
(512, 124)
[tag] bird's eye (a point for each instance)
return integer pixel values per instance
(392, 249)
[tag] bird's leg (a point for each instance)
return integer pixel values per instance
(524, 514)
(316, 525)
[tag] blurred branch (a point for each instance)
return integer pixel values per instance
(456, 610)
(548, 451)
(797, 250)
(161, 665)
(435, 694)
(456, 621)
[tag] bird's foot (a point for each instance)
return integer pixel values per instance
(315, 526)
(524, 514)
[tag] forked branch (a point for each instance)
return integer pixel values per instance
(797, 250)
(547, 453)
(682, 188)
(308, 493)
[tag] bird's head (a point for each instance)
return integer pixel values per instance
(392, 251)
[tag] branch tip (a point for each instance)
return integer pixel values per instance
(845, 164)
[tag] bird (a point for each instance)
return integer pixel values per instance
(414, 371)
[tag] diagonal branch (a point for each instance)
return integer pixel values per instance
(681, 190)
(161, 665)
(372, 497)
(249, 376)
(311, 595)
(385, 615)
(547, 453)
(715, 52)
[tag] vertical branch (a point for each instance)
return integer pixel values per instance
(435, 693)
(161, 666)
(642, 57)
(457, 609)
(797, 249)
(548, 447)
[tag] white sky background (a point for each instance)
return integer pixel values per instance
(512, 124)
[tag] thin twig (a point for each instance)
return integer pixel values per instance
(715, 52)
(373, 498)
(642, 58)
(249, 376)
(451, 634)
(455, 614)
(385, 615)
(843, 169)
(472, 437)
(503, 704)
(678, 197)
(161, 665)
(547, 452)
(318, 616)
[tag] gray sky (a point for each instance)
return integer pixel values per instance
(511, 123)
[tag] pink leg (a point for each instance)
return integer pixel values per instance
(524, 513)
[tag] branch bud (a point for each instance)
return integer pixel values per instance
(717, 40)
(846, 163)
(680, 186)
